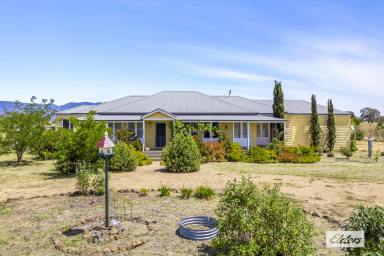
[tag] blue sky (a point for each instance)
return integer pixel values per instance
(98, 50)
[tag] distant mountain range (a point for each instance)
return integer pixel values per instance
(9, 105)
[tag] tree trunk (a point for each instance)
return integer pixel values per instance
(19, 156)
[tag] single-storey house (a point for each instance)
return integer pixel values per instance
(249, 122)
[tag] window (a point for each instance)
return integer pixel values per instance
(244, 130)
(66, 124)
(215, 130)
(237, 130)
(240, 130)
(207, 134)
(262, 130)
(139, 132)
(118, 126)
(131, 127)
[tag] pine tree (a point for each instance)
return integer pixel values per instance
(278, 106)
(331, 128)
(315, 130)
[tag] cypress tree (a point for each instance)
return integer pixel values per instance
(278, 105)
(315, 130)
(331, 128)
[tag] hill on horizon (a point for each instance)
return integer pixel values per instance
(9, 105)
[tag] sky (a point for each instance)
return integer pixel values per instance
(99, 50)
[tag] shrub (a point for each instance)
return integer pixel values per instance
(382, 154)
(299, 154)
(288, 157)
(235, 152)
(276, 145)
(371, 220)
(261, 155)
(212, 151)
(186, 193)
(125, 157)
(143, 192)
(143, 159)
(376, 157)
(79, 144)
(204, 192)
(347, 152)
(353, 141)
(253, 221)
(165, 190)
(181, 155)
(129, 137)
(359, 135)
(90, 179)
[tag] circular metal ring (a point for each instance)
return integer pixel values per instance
(205, 234)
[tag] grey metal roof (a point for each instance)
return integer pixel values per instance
(300, 107)
(84, 109)
(98, 117)
(192, 102)
(222, 118)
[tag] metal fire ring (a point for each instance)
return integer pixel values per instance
(205, 234)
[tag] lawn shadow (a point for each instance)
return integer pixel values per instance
(163, 170)
(54, 174)
(12, 163)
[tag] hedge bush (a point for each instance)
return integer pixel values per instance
(371, 220)
(79, 144)
(299, 154)
(124, 158)
(235, 153)
(212, 151)
(143, 159)
(253, 221)
(90, 179)
(182, 154)
(261, 155)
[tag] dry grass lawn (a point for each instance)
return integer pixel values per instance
(329, 190)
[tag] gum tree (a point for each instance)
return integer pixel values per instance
(23, 127)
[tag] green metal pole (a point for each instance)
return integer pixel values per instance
(106, 192)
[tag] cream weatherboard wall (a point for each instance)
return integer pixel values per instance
(297, 129)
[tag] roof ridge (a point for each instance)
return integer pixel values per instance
(229, 103)
(143, 97)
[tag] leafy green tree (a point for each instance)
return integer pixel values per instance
(315, 130)
(78, 145)
(23, 127)
(370, 115)
(278, 106)
(331, 128)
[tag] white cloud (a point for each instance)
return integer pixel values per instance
(347, 70)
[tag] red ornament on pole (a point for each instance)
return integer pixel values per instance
(105, 145)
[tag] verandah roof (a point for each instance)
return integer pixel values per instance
(190, 118)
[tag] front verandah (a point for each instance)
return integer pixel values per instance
(155, 134)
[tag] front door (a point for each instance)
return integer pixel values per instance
(161, 135)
